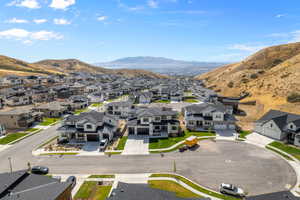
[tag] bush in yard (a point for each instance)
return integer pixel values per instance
(230, 84)
(293, 98)
(253, 76)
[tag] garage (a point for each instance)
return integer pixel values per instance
(220, 126)
(143, 131)
(92, 138)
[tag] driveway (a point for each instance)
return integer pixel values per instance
(225, 133)
(259, 139)
(136, 145)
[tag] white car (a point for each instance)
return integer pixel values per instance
(232, 190)
(103, 144)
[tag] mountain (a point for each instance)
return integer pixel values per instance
(9, 66)
(162, 65)
(271, 76)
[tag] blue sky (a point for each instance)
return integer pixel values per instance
(104, 30)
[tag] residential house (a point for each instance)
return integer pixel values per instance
(88, 127)
(53, 109)
(154, 122)
(279, 125)
(2, 130)
(208, 116)
(42, 94)
(122, 109)
(19, 118)
(96, 97)
(145, 97)
(12, 80)
(27, 186)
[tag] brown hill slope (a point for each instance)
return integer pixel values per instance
(270, 76)
(11, 66)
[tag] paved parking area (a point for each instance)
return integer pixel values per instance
(136, 145)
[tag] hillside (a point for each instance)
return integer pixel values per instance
(9, 66)
(270, 76)
(162, 65)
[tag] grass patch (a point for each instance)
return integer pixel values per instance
(77, 112)
(278, 152)
(90, 190)
(102, 176)
(243, 134)
(196, 187)
(191, 101)
(162, 101)
(171, 186)
(287, 148)
(30, 130)
(96, 104)
(12, 137)
(160, 143)
(47, 121)
(122, 143)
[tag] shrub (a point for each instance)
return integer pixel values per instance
(244, 80)
(253, 76)
(230, 84)
(293, 98)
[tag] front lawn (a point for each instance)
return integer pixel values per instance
(160, 143)
(90, 190)
(96, 104)
(122, 143)
(171, 186)
(80, 111)
(162, 101)
(191, 101)
(12, 137)
(196, 187)
(243, 134)
(47, 121)
(294, 151)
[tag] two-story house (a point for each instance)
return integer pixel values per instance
(52, 109)
(207, 116)
(154, 122)
(122, 109)
(88, 127)
(145, 97)
(279, 126)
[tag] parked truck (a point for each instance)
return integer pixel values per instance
(191, 141)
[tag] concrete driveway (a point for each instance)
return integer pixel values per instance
(136, 145)
(259, 139)
(225, 133)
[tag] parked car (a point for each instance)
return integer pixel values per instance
(72, 179)
(183, 148)
(103, 144)
(62, 141)
(232, 190)
(40, 170)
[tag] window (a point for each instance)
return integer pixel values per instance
(146, 119)
(89, 126)
(164, 117)
(191, 122)
(157, 118)
(291, 126)
(157, 127)
(271, 125)
(174, 128)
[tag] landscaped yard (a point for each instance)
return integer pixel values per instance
(122, 143)
(294, 151)
(47, 121)
(162, 101)
(80, 111)
(12, 137)
(243, 134)
(96, 104)
(191, 100)
(159, 143)
(90, 190)
(173, 187)
(196, 187)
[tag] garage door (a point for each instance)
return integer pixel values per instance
(143, 131)
(231, 126)
(93, 138)
(220, 126)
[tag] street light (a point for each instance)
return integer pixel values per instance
(10, 164)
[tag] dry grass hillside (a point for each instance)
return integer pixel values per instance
(11, 66)
(270, 76)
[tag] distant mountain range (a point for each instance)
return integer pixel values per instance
(162, 65)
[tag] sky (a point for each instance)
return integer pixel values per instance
(105, 30)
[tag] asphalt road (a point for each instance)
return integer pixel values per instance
(256, 170)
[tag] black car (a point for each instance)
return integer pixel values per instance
(40, 170)
(72, 179)
(183, 148)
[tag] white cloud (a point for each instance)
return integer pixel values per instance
(26, 36)
(32, 4)
(27, 42)
(61, 4)
(129, 8)
(245, 47)
(16, 21)
(152, 4)
(280, 16)
(295, 36)
(102, 18)
(61, 21)
(39, 21)
(289, 37)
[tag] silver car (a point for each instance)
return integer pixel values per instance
(232, 190)
(103, 144)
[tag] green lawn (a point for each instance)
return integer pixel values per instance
(32, 130)
(90, 190)
(80, 111)
(287, 148)
(162, 101)
(122, 143)
(102, 176)
(191, 101)
(196, 187)
(278, 152)
(243, 134)
(12, 137)
(47, 121)
(159, 143)
(97, 104)
(171, 186)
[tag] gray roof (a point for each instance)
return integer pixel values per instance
(125, 191)
(155, 111)
(92, 116)
(205, 107)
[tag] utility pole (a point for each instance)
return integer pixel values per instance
(10, 164)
